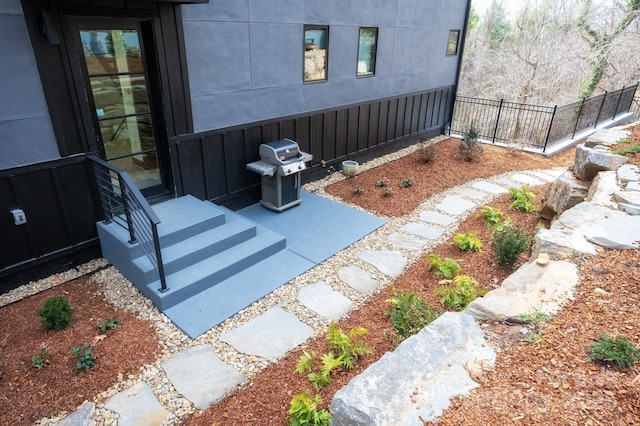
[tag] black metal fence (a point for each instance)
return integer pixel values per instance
(536, 126)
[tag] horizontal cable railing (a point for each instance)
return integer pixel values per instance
(123, 204)
(537, 126)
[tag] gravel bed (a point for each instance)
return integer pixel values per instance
(119, 291)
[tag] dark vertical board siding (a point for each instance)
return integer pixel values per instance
(402, 102)
(352, 135)
(288, 129)
(270, 133)
(329, 136)
(382, 121)
(315, 137)
(213, 157)
(342, 118)
(436, 109)
(78, 204)
(374, 117)
(302, 133)
(391, 119)
(20, 247)
(424, 99)
(408, 115)
(190, 157)
(363, 127)
(415, 113)
(235, 161)
(432, 100)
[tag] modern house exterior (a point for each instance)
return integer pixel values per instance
(181, 93)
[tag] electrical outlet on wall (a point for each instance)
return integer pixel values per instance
(18, 216)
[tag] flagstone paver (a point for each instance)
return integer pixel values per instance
(492, 188)
(324, 301)
(425, 231)
(526, 179)
(455, 205)
(437, 218)
(137, 406)
(200, 376)
(81, 417)
(471, 193)
(507, 182)
(407, 242)
(390, 263)
(543, 175)
(271, 335)
(359, 279)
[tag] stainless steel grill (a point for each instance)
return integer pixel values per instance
(279, 167)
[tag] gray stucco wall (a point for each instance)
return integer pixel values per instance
(245, 56)
(26, 133)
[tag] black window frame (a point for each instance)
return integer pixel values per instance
(324, 28)
(457, 43)
(375, 53)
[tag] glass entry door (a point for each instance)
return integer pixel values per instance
(124, 116)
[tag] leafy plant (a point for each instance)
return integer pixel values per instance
(85, 354)
(468, 242)
(409, 313)
(613, 349)
(382, 182)
(386, 192)
(358, 190)
(509, 243)
(406, 182)
(536, 319)
(631, 149)
(501, 226)
(428, 151)
(522, 198)
(56, 313)
(446, 268)
(491, 215)
(108, 325)
(462, 291)
(304, 411)
(470, 132)
(344, 350)
(42, 359)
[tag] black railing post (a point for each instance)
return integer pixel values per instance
(615, 111)
(604, 98)
(546, 141)
(495, 129)
(127, 213)
(575, 128)
(156, 246)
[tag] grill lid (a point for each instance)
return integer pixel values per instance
(280, 152)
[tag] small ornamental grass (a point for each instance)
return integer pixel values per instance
(617, 350)
(56, 313)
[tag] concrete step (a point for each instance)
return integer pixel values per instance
(198, 247)
(208, 272)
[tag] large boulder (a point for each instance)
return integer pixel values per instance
(607, 137)
(565, 192)
(601, 191)
(532, 287)
(417, 380)
(590, 161)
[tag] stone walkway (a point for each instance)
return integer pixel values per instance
(201, 377)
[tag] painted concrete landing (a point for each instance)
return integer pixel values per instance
(315, 230)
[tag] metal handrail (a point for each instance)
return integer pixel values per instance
(123, 204)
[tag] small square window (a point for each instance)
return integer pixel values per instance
(316, 49)
(452, 44)
(367, 47)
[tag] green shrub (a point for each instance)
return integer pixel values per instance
(522, 199)
(462, 292)
(468, 242)
(617, 350)
(304, 411)
(56, 313)
(509, 243)
(409, 313)
(491, 215)
(447, 268)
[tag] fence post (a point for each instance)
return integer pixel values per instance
(615, 112)
(127, 213)
(546, 141)
(575, 128)
(604, 98)
(495, 129)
